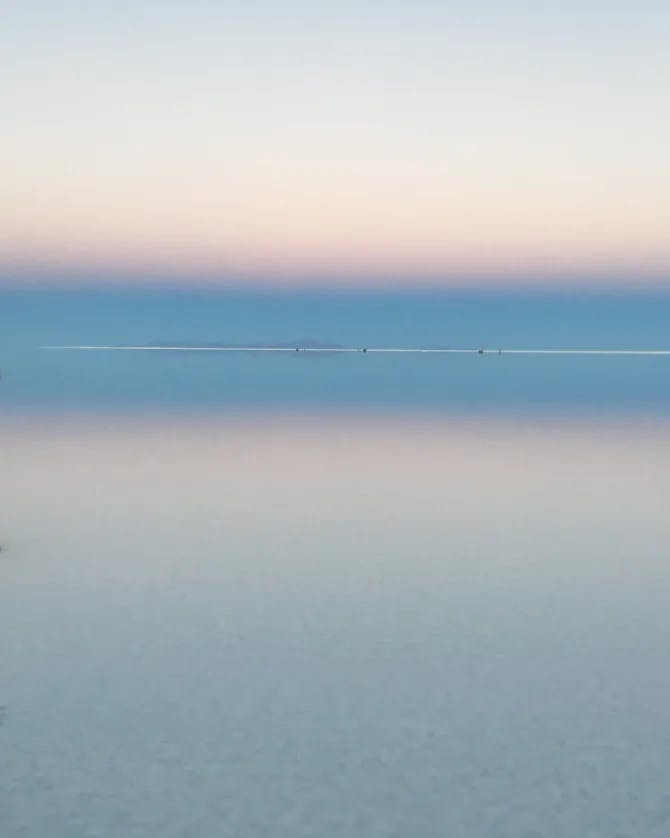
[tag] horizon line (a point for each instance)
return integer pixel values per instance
(527, 279)
(363, 350)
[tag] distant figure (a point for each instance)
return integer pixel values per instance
(480, 351)
(364, 349)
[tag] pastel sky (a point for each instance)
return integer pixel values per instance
(364, 141)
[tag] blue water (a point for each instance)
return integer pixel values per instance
(349, 621)
(34, 316)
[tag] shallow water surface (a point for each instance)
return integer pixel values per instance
(37, 379)
(299, 626)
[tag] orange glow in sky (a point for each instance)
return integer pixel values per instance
(476, 140)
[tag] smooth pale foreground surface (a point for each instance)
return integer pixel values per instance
(342, 627)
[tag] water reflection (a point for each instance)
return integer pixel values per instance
(348, 627)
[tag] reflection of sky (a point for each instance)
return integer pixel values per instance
(43, 379)
(346, 139)
(346, 627)
(473, 479)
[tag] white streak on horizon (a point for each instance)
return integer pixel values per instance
(370, 350)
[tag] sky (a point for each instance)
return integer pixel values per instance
(363, 142)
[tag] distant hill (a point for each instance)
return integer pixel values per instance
(302, 343)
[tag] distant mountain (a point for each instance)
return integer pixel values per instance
(307, 343)
(302, 343)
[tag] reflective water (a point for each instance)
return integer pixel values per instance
(357, 626)
(35, 379)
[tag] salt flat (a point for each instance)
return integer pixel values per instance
(349, 626)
